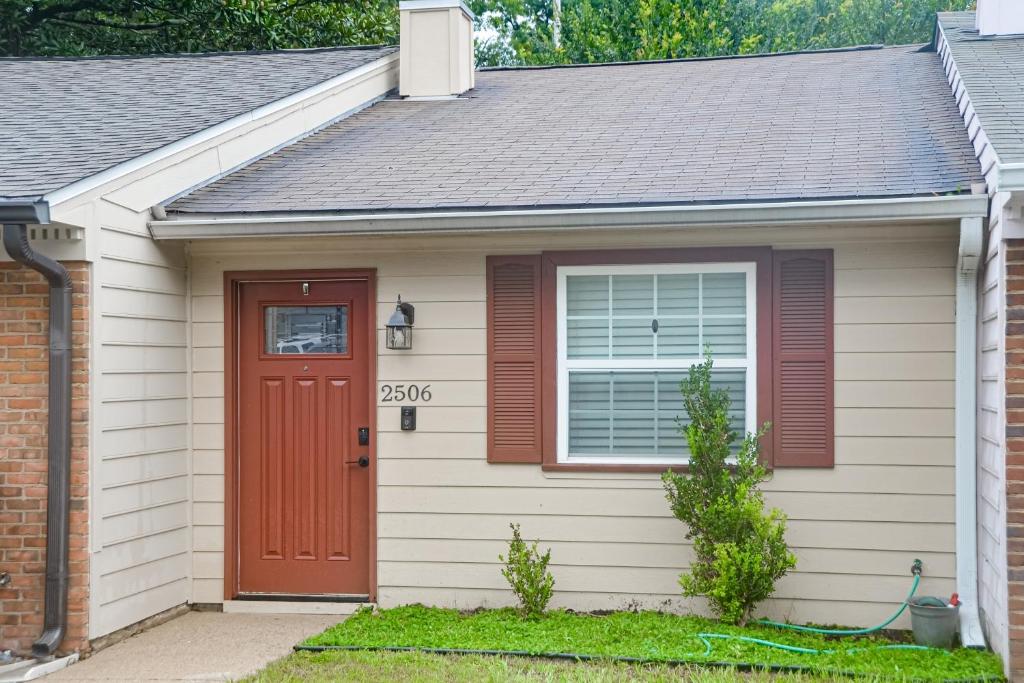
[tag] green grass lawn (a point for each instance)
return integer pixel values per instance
(419, 667)
(649, 636)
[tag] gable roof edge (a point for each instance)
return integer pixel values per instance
(979, 139)
(112, 173)
(999, 175)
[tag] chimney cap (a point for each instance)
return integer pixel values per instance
(413, 5)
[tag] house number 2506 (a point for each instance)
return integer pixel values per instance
(401, 392)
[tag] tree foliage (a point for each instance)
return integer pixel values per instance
(513, 31)
(739, 547)
(520, 31)
(97, 27)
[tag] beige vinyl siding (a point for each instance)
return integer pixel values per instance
(141, 541)
(444, 511)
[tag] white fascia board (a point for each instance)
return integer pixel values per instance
(132, 165)
(912, 209)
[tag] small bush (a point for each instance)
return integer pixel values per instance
(526, 571)
(740, 548)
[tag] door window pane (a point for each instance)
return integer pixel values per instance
(296, 330)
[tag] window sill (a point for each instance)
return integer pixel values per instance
(625, 468)
(611, 467)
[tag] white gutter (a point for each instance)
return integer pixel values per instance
(971, 233)
(1009, 178)
(137, 163)
(915, 209)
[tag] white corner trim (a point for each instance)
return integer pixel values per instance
(970, 253)
(909, 209)
(137, 163)
(414, 5)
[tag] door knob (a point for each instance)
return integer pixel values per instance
(362, 461)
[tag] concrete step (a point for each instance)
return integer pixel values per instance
(292, 607)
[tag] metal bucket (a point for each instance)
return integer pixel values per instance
(933, 621)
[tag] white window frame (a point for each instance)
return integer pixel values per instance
(564, 365)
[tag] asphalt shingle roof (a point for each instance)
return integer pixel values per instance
(66, 119)
(992, 69)
(856, 123)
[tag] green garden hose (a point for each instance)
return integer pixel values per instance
(706, 639)
(915, 569)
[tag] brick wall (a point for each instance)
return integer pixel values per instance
(24, 317)
(1015, 450)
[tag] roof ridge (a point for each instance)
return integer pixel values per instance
(790, 53)
(194, 55)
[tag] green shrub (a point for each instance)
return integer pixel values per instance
(526, 571)
(740, 548)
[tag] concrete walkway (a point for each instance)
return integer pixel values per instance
(199, 646)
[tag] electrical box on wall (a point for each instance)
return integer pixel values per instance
(408, 418)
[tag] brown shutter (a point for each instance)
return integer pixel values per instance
(513, 359)
(803, 432)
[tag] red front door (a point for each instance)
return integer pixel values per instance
(304, 470)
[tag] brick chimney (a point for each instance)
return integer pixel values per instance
(436, 48)
(999, 17)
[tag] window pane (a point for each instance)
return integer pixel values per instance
(634, 422)
(677, 294)
(589, 424)
(727, 337)
(587, 338)
(632, 295)
(586, 295)
(678, 338)
(305, 329)
(632, 338)
(724, 293)
(624, 414)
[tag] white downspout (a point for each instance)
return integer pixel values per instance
(971, 232)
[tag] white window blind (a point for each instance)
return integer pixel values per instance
(627, 336)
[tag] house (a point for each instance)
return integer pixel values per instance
(231, 248)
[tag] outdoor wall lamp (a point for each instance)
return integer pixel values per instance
(399, 327)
